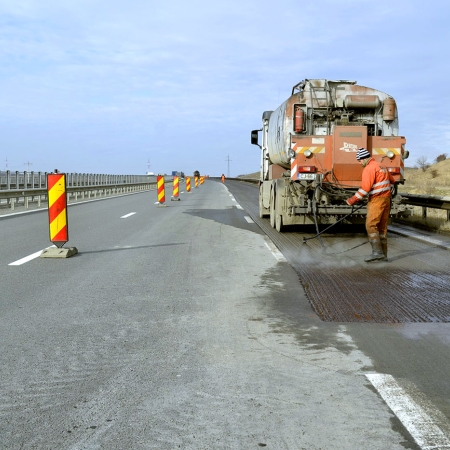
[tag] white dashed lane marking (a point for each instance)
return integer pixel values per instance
(127, 215)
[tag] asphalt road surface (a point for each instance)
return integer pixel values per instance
(185, 327)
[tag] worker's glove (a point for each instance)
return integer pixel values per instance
(351, 201)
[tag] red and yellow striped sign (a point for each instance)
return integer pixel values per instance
(196, 182)
(176, 187)
(202, 180)
(161, 190)
(57, 209)
(188, 184)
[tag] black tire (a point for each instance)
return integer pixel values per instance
(272, 208)
(262, 211)
(279, 222)
(278, 216)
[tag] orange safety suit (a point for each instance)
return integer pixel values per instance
(376, 184)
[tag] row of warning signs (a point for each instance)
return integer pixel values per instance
(57, 209)
(175, 187)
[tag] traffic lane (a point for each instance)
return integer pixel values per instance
(95, 228)
(414, 353)
(27, 233)
(92, 225)
(22, 235)
(183, 345)
(66, 287)
(44, 280)
(77, 289)
(21, 231)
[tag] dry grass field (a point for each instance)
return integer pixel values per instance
(435, 180)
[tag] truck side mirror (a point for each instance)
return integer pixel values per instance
(254, 137)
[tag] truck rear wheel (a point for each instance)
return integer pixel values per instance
(263, 212)
(279, 221)
(279, 213)
(272, 208)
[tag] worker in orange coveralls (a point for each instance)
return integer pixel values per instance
(377, 183)
(223, 178)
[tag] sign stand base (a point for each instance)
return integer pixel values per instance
(54, 252)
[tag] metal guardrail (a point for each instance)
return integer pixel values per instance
(427, 201)
(21, 188)
(15, 196)
(35, 180)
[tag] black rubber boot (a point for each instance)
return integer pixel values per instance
(384, 248)
(377, 252)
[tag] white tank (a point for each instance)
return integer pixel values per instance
(325, 103)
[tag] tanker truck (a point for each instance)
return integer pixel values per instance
(308, 148)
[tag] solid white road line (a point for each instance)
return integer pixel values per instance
(419, 424)
(248, 219)
(275, 252)
(420, 237)
(21, 261)
(127, 215)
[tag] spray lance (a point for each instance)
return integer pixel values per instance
(332, 225)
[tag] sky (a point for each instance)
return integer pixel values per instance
(126, 87)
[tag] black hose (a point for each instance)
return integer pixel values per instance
(315, 220)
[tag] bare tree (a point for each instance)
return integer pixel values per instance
(422, 163)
